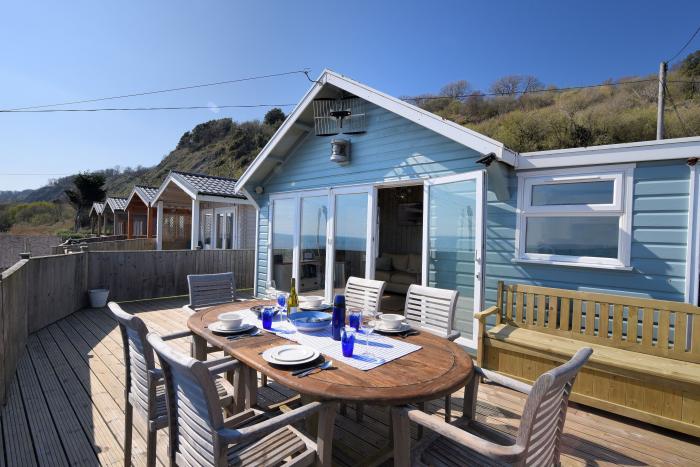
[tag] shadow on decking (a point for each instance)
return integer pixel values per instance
(66, 406)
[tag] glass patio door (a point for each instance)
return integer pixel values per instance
(224, 232)
(453, 243)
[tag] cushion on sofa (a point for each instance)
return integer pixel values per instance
(415, 264)
(398, 261)
(382, 275)
(383, 263)
(405, 278)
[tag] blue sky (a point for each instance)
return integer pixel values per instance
(58, 51)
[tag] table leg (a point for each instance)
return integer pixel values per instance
(239, 385)
(251, 387)
(199, 347)
(311, 421)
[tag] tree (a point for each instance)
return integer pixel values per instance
(456, 90)
(88, 189)
(274, 116)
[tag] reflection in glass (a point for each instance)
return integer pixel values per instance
(573, 193)
(451, 245)
(282, 242)
(314, 217)
(573, 236)
(205, 236)
(350, 238)
(229, 231)
(219, 230)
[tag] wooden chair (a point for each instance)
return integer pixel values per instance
(365, 294)
(144, 389)
(200, 435)
(210, 289)
(433, 310)
(468, 442)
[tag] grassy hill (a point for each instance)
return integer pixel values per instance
(520, 111)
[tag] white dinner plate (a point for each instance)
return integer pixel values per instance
(268, 356)
(292, 353)
(315, 308)
(403, 328)
(216, 327)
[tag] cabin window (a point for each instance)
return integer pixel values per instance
(577, 217)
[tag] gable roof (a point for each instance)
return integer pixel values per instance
(447, 128)
(145, 193)
(115, 204)
(197, 185)
(97, 207)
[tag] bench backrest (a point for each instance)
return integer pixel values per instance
(656, 327)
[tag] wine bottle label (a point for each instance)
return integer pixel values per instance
(292, 309)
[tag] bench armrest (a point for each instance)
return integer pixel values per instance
(496, 452)
(498, 378)
(481, 315)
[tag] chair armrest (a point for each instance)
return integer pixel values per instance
(253, 432)
(481, 315)
(498, 378)
(453, 335)
(496, 452)
(221, 365)
(155, 377)
(188, 309)
(176, 335)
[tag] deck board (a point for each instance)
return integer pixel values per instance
(66, 406)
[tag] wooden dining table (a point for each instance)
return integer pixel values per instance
(439, 368)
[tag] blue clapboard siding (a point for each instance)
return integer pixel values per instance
(393, 148)
(659, 241)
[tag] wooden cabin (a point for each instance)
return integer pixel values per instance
(114, 216)
(140, 212)
(202, 212)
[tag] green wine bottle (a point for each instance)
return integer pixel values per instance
(293, 300)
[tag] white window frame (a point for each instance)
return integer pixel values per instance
(621, 206)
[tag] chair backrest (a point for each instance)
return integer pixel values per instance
(365, 294)
(138, 359)
(656, 327)
(211, 289)
(194, 412)
(542, 423)
(431, 308)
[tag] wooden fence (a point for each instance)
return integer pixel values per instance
(38, 291)
(134, 244)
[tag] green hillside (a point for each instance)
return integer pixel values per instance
(520, 111)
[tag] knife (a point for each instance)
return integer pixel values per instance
(298, 372)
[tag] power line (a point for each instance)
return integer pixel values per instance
(161, 91)
(533, 91)
(685, 45)
(128, 109)
(675, 109)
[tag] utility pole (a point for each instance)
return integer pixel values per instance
(660, 110)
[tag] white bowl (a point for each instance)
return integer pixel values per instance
(231, 320)
(391, 321)
(311, 300)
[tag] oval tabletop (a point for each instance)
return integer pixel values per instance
(439, 368)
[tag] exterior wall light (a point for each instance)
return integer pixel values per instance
(340, 151)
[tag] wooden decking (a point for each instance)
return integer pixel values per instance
(66, 406)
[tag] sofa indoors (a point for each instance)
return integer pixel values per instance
(398, 270)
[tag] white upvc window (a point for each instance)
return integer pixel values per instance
(578, 217)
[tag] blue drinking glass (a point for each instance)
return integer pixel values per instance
(267, 313)
(355, 319)
(347, 341)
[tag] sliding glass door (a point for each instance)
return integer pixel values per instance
(321, 238)
(453, 243)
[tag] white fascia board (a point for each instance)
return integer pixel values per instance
(643, 151)
(444, 127)
(281, 132)
(182, 184)
(136, 191)
(221, 199)
(451, 130)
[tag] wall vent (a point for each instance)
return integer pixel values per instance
(336, 116)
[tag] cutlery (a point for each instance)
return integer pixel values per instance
(304, 370)
(323, 366)
(257, 332)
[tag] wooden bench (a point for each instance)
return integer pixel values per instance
(646, 353)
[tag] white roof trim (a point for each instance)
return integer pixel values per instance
(180, 182)
(136, 191)
(641, 151)
(449, 129)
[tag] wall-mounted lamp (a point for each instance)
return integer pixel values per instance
(340, 151)
(259, 190)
